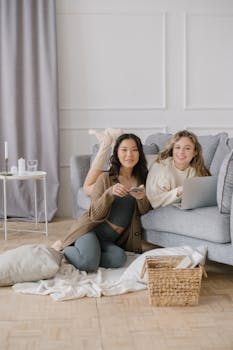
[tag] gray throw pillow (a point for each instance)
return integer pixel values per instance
(209, 145)
(225, 184)
(151, 149)
(151, 152)
(159, 139)
(28, 263)
(224, 147)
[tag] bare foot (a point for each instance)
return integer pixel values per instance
(57, 245)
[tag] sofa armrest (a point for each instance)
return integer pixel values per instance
(79, 166)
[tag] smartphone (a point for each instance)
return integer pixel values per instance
(136, 189)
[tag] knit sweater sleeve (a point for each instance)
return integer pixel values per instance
(143, 205)
(159, 187)
(101, 198)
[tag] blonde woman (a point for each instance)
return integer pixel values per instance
(181, 159)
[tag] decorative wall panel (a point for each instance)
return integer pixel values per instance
(112, 61)
(208, 63)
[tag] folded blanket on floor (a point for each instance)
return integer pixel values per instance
(70, 283)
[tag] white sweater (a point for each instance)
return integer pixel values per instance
(163, 180)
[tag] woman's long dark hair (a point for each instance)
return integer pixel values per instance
(140, 170)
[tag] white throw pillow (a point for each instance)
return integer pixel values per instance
(28, 263)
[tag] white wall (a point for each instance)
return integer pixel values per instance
(142, 65)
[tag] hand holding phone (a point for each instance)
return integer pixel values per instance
(136, 189)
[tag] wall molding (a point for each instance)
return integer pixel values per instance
(107, 108)
(162, 128)
(111, 13)
(187, 106)
(205, 128)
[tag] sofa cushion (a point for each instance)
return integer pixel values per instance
(225, 184)
(84, 201)
(224, 147)
(204, 223)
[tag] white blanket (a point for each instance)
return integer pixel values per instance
(70, 283)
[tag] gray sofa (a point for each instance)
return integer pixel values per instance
(170, 226)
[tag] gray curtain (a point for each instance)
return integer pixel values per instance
(28, 99)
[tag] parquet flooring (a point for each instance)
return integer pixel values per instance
(125, 322)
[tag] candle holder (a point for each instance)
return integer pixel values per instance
(6, 165)
(6, 173)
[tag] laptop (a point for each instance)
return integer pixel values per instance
(199, 192)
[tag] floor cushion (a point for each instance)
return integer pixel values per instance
(28, 263)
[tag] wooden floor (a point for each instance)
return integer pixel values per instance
(126, 322)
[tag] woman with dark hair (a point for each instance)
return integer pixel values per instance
(112, 223)
(181, 159)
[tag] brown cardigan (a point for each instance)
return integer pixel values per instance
(101, 201)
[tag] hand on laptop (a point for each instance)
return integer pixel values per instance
(179, 191)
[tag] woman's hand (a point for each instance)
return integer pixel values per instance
(119, 190)
(139, 194)
(179, 191)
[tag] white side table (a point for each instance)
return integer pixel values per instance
(35, 176)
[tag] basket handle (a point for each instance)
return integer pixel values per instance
(143, 269)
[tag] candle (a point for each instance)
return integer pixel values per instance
(6, 150)
(21, 166)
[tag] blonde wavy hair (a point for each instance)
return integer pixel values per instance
(197, 162)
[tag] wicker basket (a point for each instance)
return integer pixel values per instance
(168, 286)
